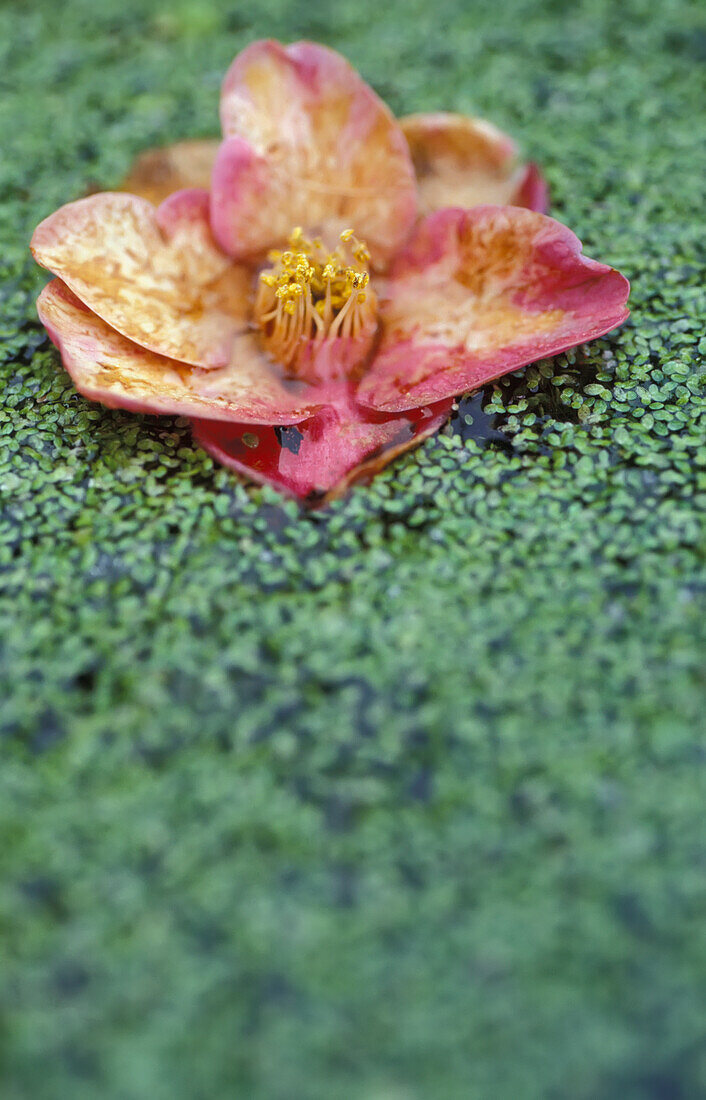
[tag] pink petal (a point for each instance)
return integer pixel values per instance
(481, 292)
(532, 190)
(332, 360)
(322, 456)
(462, 161)
(107, 367)
(154, 275)
(158, 173)
(315, 147)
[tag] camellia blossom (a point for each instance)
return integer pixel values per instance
(314, 290)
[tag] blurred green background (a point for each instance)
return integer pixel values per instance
(404, 799)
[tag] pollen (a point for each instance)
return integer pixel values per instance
(311, 294)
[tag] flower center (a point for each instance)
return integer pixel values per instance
(309, 294)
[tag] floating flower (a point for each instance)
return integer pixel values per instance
(314, 290)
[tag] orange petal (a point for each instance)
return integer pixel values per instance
(316, 147)
(320, 457)
(154, 274)
(157, 173)
(463, 161)
(107, 367)
(478, 293)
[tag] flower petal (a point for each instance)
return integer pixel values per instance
(462, 161)
(481, 292)
(322, 456)
(532, 190)
(158, 173)
(107, 367)
(154, 274)
(316, 147)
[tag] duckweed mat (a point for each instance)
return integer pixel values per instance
(402, 799)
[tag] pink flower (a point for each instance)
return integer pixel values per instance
(314, 290)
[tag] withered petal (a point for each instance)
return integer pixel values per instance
(318, 459)
(109, 368)
(463, 161)
(158, 173)
(478, 293)
(317, 148)
(155, 275)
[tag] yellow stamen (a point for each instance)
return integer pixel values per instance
(309, 293)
